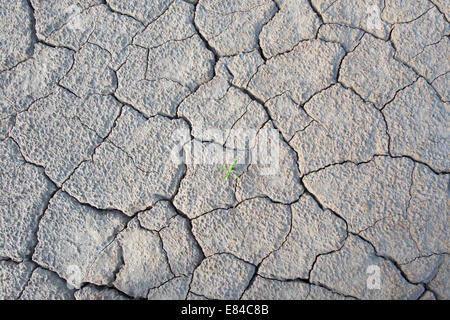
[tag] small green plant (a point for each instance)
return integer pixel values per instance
(230, 170)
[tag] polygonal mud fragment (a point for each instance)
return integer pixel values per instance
(442, 85)
(363, 14)
(175, 24)
(222, 276)
(72, 236)
(241, 133)
(145, 11)
(441, 282)
(314, 231)
(344, 129)
(422, 269)
(348, 37)
(114, 32)
(148, 96)
(157, 217)
(433, 61)
(46, 285)
(373, 73)
(250, 231)
(403, 11)
(357, 271)
(133, 168)
(422, 229)
(391, 236)
(111, 170)
(233, 27)
(268, 289)
(294, 22)
(174, 289)
(55, 15)
(140, 138)
(203, 188)
(144, 261)
(91, 72)
(181, 248)
(365, 193)
(16, 33)
(218, 107)
(410, 39)
(96, 112)
(307, 69)
(13, 278)
(273, 172)
(428, 212)
(50, 137)
(156, 80)
(418, 124)
(33, 79)
(66, 23)
(104, 265)
(186, 62)
(23, 197)
(91, 292)
(242, 67)
(287, 116)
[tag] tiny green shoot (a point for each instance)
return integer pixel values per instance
(230, 170)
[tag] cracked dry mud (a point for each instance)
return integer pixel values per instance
(91, 93)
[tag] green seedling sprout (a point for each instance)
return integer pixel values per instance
(230, 170)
